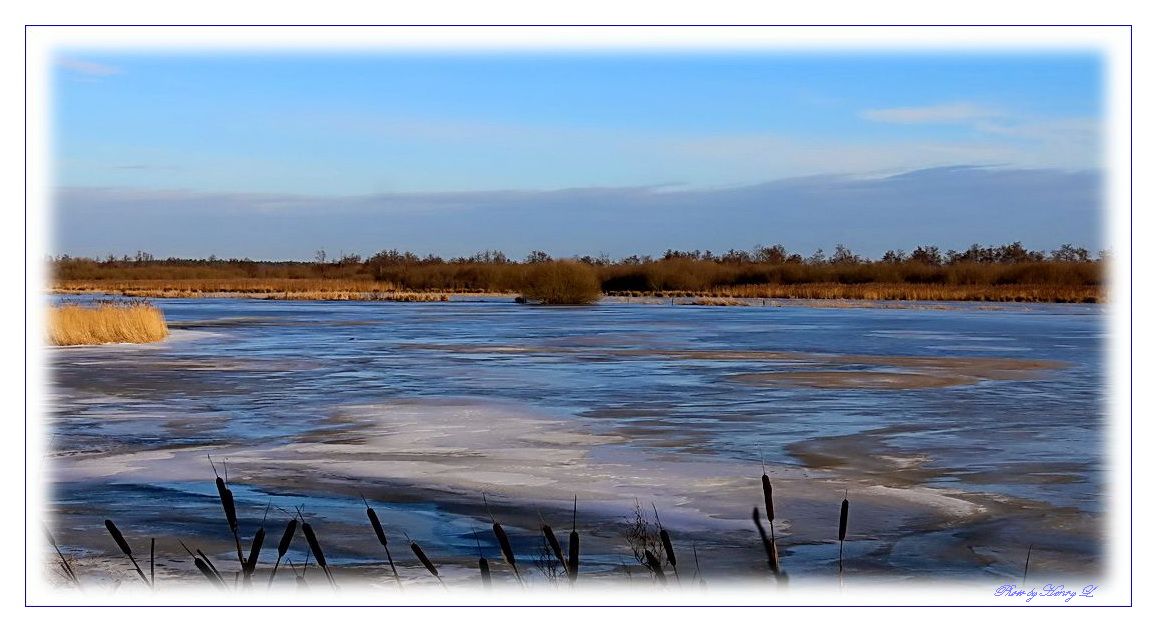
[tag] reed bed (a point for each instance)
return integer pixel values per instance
(997, 273)
(280, 289)
(101, 323)
(740, 295)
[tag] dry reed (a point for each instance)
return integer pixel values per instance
(67, 568)
(72, 324)
(1024, 578)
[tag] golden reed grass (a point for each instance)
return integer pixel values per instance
(1026, 293)
(103, 323)
(269, 289)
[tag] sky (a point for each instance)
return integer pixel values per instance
(277, 155)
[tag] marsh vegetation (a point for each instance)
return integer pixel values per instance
(104, 322)
(1009, 272)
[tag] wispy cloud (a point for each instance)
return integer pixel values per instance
(88, 68)
(943, 113)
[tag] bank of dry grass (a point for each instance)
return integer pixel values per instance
(103, 323)
(268, 289)
(1025, 277)
(1018, 293)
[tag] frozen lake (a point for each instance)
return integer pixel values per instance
(961, 432)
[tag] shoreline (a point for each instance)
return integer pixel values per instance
(680, 299)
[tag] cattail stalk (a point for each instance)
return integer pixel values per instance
(208, 573)
(254, 554)
(555, 546)
(572, 557)
(503, 541)
(768, 504)
(483, 565)
(421, 555)
(843, 528)
(283, 546)
(381, 533)
(210, 564)
(124, 547)
(315, 547)
(655, 567)
(507, 550)
(665, 539)
(230, 509)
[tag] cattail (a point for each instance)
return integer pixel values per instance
(573, 559)
(768, 504)
(255, 551)
(210, 563)
(230, 516)
(315, 546)
(286, 538)
(421, 555)
(209, 574)
(118, 538)
(655, 567)
(283, 547)
(484, 566)
(667, 548)
(507, 551)
(843, 530)
(124, 547)
(227, 503)
(843, 519)
(665, 538)
(572, 564)
(555, 547)
(381, 533)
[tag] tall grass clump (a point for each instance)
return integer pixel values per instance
(72, 324)
(561, 283)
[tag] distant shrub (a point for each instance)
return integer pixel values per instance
(561, 283)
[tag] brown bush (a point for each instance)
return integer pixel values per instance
(561, 283)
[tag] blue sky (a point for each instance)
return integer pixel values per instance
(296, 139)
